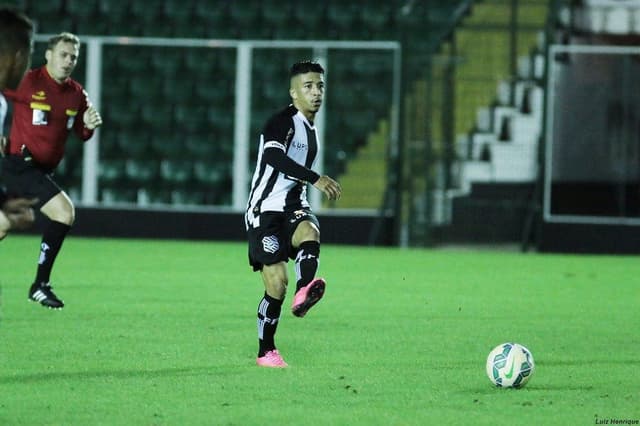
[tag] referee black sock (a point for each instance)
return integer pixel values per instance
(268, 317)
(306, 263)
(52, 238)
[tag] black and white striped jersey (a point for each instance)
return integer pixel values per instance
(275, 187)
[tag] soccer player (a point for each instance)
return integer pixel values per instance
(48, 104)
(16, 45)
(279, 221)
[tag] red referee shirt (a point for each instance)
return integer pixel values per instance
(44, 112)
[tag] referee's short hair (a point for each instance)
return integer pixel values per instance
(304, 67)
(65, 37)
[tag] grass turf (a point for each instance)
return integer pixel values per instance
(163, 333)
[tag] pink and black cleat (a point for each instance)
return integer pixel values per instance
(308, 296)
(272, 359)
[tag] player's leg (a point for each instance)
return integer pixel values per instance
(268, 254)
(306, 244)
(274, 278)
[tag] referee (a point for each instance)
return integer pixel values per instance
(279, 222)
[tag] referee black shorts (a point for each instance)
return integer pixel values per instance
(270, 243)
(24, 179)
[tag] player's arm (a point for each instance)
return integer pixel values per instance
(274, 156)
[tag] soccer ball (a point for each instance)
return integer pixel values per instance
(510, 365)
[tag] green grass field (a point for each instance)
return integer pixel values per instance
(164, 333)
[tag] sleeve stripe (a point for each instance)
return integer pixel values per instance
(274, 144)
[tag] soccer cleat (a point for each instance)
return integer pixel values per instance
(308, 296)
(271, 359)
(43, 293)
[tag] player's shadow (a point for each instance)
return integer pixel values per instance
(34, 378)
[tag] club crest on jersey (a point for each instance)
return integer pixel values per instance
(270, 244)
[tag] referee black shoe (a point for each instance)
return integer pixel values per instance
(43, 293)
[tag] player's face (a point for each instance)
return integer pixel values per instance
(61, 60)
(307, 91)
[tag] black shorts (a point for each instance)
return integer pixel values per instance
(24, 179)
(270, 243)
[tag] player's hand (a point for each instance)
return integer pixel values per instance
(19, 211)
(92, 118)
(330, 187)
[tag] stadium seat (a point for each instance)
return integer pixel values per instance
(177, 12)
(244, 19)
(156, 116)
(154, 195)
(276, 14)
(379, 21)
(210, 19)
(343, 20)
(116, 14)
(117, 194)
(55, 26)
(87, 17)
(109, 146)
(188, 197)
(168, 146)
(200, 60)
(133, 59)
(135, 142)
(120, 115)
(216, 89)
(167, 62)
(190, 117)
(202, 144)
(146, 88)
(111, 59)
(118, 90)
(142, 171)
(226, 62)
(618, 20)
(53, 8)
(177, 90)
(111, 170)
(147, 14)
(310, 15)
(176, 171)
(210, 173)
(221, 119)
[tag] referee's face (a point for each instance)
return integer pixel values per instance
(307, 91)
(62, 60)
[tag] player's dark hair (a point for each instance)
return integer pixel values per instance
(64, 37)
(304, 67)
(16, 31)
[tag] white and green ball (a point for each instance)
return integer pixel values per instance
(510, 365)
